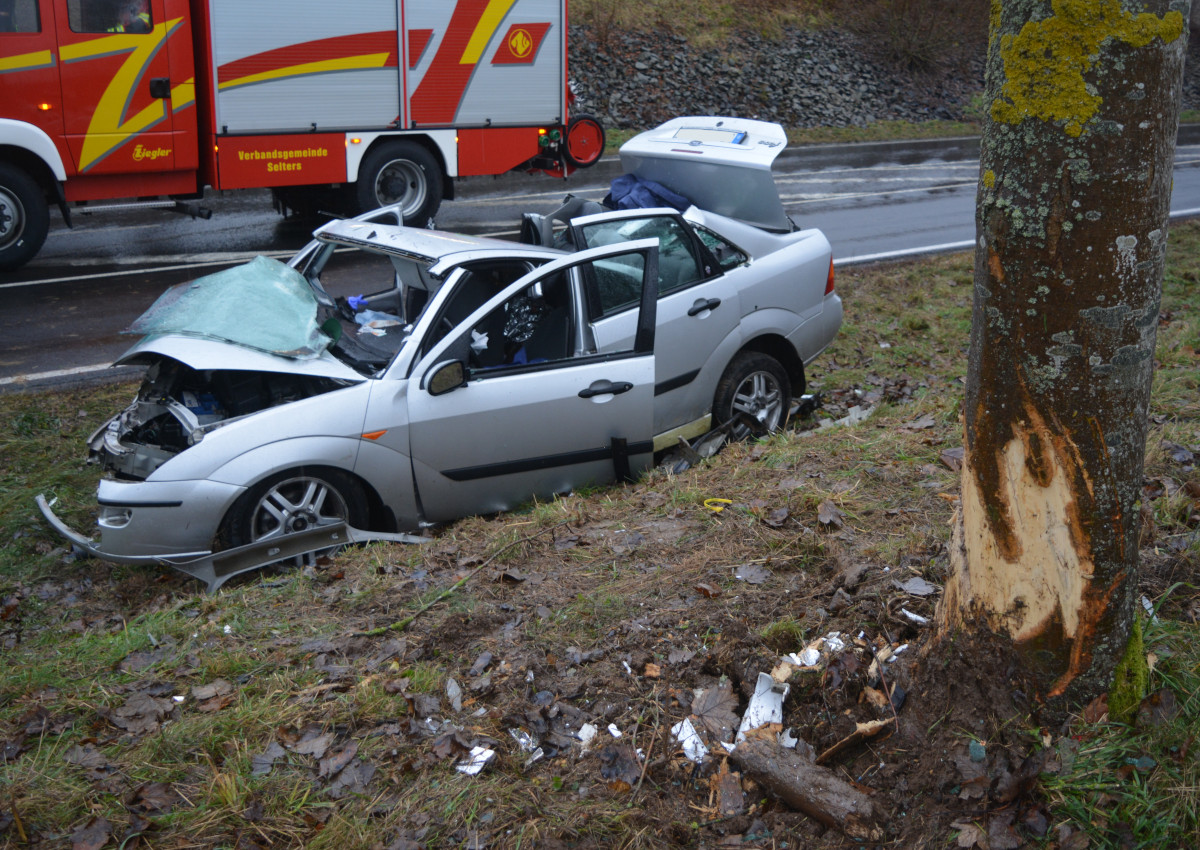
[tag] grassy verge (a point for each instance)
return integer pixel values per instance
(135, 708)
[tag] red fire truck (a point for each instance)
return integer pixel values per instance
(353, 103)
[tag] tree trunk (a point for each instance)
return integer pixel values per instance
(1075, 186)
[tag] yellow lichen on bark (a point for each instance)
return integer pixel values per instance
(1045, 63)
(1054, 571)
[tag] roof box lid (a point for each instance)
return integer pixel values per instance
(720, 164)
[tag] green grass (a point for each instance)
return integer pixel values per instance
(75, 628)
(1139, 786)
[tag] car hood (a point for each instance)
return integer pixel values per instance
(263, 305)
(206, 354)
(719, 164)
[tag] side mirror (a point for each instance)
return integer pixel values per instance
(446, 377)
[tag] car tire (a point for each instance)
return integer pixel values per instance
(403, 173)
(584, 142)
(24, 217)
(294, 501)
(753, 396)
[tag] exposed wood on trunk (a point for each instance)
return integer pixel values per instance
(1071, 219)
(794, 778)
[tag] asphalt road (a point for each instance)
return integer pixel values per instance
(64, 312)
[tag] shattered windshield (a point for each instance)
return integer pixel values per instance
(263, 305)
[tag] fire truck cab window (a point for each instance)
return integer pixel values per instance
(19, 16)
(126, 16)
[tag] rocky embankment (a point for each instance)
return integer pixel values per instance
(803, 79)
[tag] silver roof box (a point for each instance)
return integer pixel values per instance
(719, 164)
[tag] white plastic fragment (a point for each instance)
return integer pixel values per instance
(916, 618)
(807, 658)
(628, 669)
(587, 734)
(766, 706)
(687, 736)
(613, 730)
(899, 649)
(178, 699)
(476, 761)
(834, 642)
(228, 630)
(1149, 606)
(787, 740)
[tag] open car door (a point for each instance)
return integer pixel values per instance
(514, 403)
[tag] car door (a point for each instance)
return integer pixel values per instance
(122, 85)
(698, 310)
(537, 413)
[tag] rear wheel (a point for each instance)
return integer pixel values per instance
(585, 141)
(403, 173)
(754, 396)
(292, 502)
(24, 217)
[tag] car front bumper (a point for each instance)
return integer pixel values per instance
(139, 530)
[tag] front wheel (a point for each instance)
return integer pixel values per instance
(404, 173)
(753, 397)
(24, 217)
(292, 502)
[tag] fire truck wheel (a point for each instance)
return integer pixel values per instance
(24, 217)
(402, 173)
(585, 141)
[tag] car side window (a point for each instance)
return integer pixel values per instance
(728, 256)
(19, 16)
(678, 265)
(529, 328)
(476, 285)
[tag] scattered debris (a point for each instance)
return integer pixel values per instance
(766, 706)
(916, 618)
(917, 586)
(689, 739)
(476, 761)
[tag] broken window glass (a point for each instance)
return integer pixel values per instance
(263, 304)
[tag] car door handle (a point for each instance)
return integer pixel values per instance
(606, 388)
(700, 306)
(160, 87)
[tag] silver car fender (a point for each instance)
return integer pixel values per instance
(334, 415)
(253, 466)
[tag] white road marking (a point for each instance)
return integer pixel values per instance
(57, 373)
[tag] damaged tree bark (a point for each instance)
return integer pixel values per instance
(1074, 194)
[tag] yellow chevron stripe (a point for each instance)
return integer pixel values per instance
(183, 95)
(109, 127)
(485, 29)
(27, 61)
(345, 63)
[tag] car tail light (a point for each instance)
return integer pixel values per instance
(829, 280)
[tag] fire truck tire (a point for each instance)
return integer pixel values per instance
(402, 173)
(585, 141)
(24, 217)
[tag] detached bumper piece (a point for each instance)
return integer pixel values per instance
(216, 568)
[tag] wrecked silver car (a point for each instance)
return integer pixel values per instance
(387, 378)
